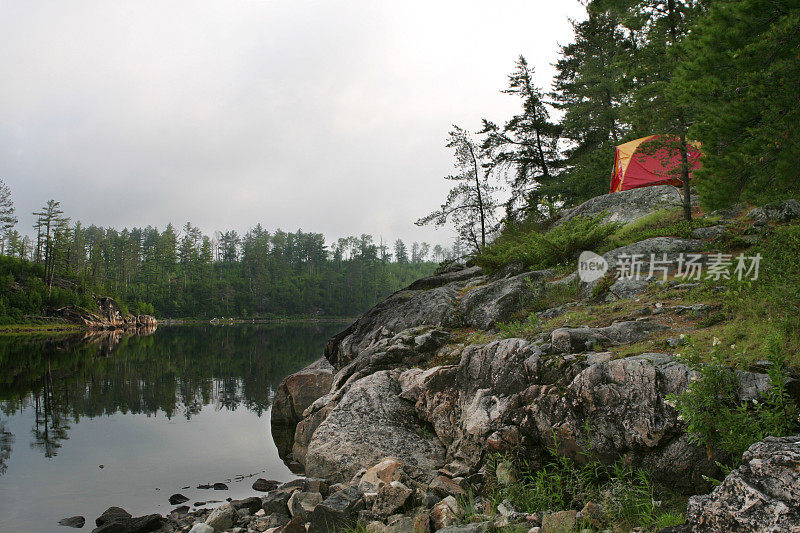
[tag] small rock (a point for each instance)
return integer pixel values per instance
(73, 521)
(422, 521)
(375, 527)
(263, 485)
(200, 527)
(400, 524)
(559, 521)
(220, 486)
(252, 504)
(278, 519)
(445, 513)
(222, 518)
(112, 514)
(391, 498)
(301, 504)
(295, 525)
(592, 514)
(177, 499)
(674, 342)
(444, 486)
(276, 502)
(386, 471)
(337, 511)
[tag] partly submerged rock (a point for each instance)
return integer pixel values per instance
(73, 521)
(760, 495)
(298, 391)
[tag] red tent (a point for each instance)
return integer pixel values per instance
(636, 166)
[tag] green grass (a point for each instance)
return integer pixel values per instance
(627, 496)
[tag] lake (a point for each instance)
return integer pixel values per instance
(89, 423)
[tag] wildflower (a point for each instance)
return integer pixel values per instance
(715, 342)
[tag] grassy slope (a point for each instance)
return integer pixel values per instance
(744, 317)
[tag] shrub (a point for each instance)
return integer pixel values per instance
(717, 419)
(538, 250)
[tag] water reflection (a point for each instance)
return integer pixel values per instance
(176, 371)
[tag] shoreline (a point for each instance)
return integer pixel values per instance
(238, 321)
(57, 328)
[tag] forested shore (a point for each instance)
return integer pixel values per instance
(182, 273)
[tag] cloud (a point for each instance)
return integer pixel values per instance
(328, 116)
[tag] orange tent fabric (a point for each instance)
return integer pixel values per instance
(636, 167)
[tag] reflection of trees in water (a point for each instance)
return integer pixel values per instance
(6, 441)
(177, 371)
(50, 426)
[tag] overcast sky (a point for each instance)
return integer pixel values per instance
(330, 116)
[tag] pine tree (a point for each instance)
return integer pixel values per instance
(7, 218)
(469, 205)
(589, 88)
(658, 27)
(525, 150)
(741, 78)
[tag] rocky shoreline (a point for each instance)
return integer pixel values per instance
(394, 427)
(109, 317)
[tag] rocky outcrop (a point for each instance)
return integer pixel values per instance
(408, 385)
(627, 206)
(414, 306)
(573, 340)
(298, 391)
(776, 212)
(760, 495)
(369, 422)
(108, 316)
(497, 301)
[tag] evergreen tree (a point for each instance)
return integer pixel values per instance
(469, 205)
(741, 77)
(526, 148)
(658, 27)
(7, 218)
(400, 252)
(590, 87)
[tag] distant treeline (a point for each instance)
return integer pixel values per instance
(184, 273)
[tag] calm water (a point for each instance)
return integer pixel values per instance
(85, 425)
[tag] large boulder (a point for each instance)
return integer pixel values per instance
(427, 302)
(581, 339)
(618, 408)
(497, 301)
(776, 212)
(298, 391)
(763, 494)
(627, 206)
(369, 422)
